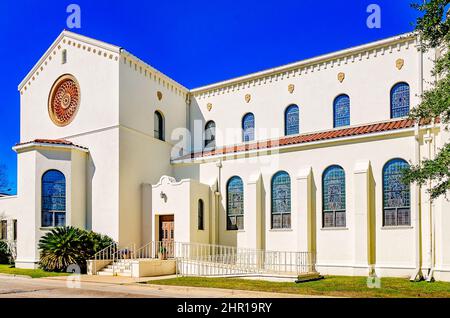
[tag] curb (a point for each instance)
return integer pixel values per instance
(15, 276)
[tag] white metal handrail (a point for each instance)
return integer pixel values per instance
(104, 255)
(207, 259)
(212, 260)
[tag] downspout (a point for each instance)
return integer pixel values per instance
(188, 124)
(432, 243)
(417, 275)
(217, 199)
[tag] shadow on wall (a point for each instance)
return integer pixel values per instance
(89, 181)
(372, 218)
(263, 215)
(313, 217)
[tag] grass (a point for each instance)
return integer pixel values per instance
(34, 273)
(335, 286)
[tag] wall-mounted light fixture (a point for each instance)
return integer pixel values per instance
(163, 196)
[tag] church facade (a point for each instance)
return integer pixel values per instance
(302, 157)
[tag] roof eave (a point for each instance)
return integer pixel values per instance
(74, 36)
(30, 145)
(313, 60)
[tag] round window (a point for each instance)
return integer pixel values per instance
(64, 100)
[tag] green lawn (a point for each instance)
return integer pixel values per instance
(34, 273)
(337, 286)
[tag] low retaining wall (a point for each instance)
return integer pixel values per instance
(153, 267)
(94, 266)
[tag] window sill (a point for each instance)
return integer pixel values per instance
(240, 231)
(47, 228)
(334, 229)
(398, 227)
(281, 230)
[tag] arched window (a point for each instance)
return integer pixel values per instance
(281, 200)
(333, 197)
(201, 212)
(235, 204)
(341, 111)
(248, 127)
(210, 134)
(400, 100)
(291, 120)
(396, 194)
(53, 199)
(159, 126)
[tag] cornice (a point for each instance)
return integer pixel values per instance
(67, 38)
(149, 71)
(331, 60)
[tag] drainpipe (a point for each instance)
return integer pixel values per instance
(217, 199)
(417, 275)
(432, 244)
(188, 123)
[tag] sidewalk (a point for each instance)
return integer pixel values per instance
(133, 285)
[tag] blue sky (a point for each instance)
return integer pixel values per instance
(195, 42)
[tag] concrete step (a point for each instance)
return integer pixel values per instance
(117, 270)
(118, 266)
(102, 273)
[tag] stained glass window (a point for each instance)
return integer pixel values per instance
(210, 134)
(281, 200)
(158, 126)
(248, 127)
(396, 194)
(291, 120)
(201, 213)
(400, 100)
(334, 197)
(341, 111)
(53, 199)
(235, 204)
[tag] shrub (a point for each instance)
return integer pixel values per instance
(64, 246)
(5, 254)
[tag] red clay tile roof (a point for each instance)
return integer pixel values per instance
(62, 142)
(311, 137)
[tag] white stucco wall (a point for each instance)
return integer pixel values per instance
(370, 73)
(109, 185)
(336, 248)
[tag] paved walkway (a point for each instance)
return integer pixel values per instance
(115, 287)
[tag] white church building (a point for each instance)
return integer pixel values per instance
(301, 157)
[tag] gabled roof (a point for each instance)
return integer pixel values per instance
(92, 42)
(52, 47)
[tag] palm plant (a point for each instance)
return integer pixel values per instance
(64, 246)
(5, 254)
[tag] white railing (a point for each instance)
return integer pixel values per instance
(105, 255)
(157, 249)
(122, 258)
(196, 259)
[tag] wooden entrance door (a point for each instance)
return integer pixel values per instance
(166, 234)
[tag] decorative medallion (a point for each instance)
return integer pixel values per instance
(64, 100)
(399, 63)
(341, 77)
(209, 106)
(248, 97)
(159, 95)
(291, 88)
